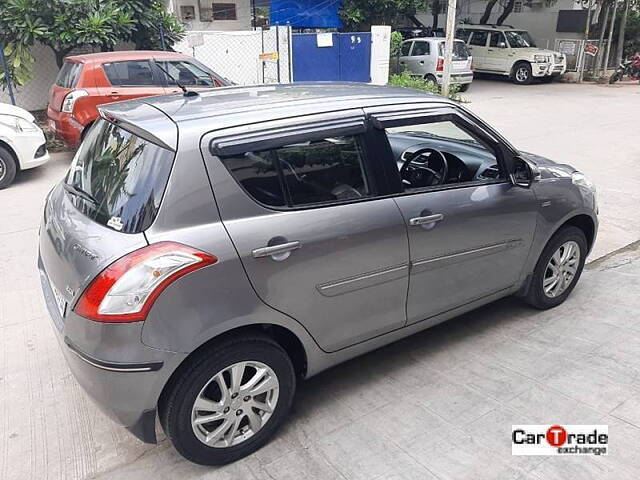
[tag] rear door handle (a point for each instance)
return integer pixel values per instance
(426, 220)
(277, 252)
(421, 62)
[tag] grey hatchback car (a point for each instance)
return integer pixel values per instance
(205, 252)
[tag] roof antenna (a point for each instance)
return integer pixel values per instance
(185, 92)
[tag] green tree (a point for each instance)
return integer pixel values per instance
(361, 14)
(64, 25)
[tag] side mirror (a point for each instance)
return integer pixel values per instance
(522, 173)
(502, 45)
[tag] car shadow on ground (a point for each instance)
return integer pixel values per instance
(436, 348)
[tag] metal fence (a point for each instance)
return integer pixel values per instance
(244, 57)
(577, 56)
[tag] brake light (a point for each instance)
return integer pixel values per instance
(440, 65)
(70, 100)
(126, 290)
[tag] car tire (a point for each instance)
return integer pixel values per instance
(543, 274)
(197, 381)
(8, 168)
(522, 74)
(464, 87)
(431, 78)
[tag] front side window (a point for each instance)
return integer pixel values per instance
(118, 179)
(441, 153)
(463, 34)
(479, 38)
(420, 48)
(130, 74)
(185, 73)
(519, 39)
(306, 173)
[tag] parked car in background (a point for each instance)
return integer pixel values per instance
(22, 143)
(205, 253)
(509, 51)
(424, 56)
(86, 81)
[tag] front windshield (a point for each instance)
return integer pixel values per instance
(519, 39)
(446, 130)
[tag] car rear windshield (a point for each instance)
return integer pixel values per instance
(68, 74)
(118, 179)
(460, 51)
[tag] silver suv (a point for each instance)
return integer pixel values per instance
(206, 252)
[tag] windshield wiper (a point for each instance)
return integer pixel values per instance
(78, 192)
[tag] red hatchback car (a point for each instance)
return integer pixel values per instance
(86, 81)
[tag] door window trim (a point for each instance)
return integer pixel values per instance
(459, 118)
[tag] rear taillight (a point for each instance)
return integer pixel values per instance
(70, 100)
(440, 65)
(126, 289)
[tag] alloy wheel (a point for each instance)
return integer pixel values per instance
(3, 169)
(561, 269)
(522, 74)
(235, 404)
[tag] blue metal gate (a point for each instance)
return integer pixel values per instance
(331, 56)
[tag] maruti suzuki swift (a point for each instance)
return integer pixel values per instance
(206, 252)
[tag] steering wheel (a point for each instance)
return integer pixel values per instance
(424, 173)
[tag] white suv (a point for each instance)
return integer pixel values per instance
(510, 51)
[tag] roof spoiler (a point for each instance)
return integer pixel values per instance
(145, 121)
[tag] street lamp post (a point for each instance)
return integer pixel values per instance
(448, 46)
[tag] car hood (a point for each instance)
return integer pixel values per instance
(548, 168)
(536, 51)
(6, 109)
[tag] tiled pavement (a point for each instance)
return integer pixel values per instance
(437, 405)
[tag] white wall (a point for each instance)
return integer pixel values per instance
(540, 21)
(243, 15)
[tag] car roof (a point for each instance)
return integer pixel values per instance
(505, 28)
(104, 57)
(241, 105)
(430, 39)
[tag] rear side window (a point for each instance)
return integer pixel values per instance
(68, 74)
(420, 48)
(119, 178)
(313, 172)
(130, 74)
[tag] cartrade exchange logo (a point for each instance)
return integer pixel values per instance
(560, 439)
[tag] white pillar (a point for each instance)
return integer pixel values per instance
(448, 46)
(380, 51)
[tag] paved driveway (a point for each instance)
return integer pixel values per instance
(437, 405)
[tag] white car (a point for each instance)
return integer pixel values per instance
(425, 57)
(510, 51)
(22, 143)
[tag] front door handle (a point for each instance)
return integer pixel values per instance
(417, 221)
(277, 252)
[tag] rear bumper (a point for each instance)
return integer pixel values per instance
(65, 127)
(122, 376)
(457, 78)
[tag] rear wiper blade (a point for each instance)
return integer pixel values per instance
(78, 192)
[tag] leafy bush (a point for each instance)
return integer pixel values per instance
(404, 79)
